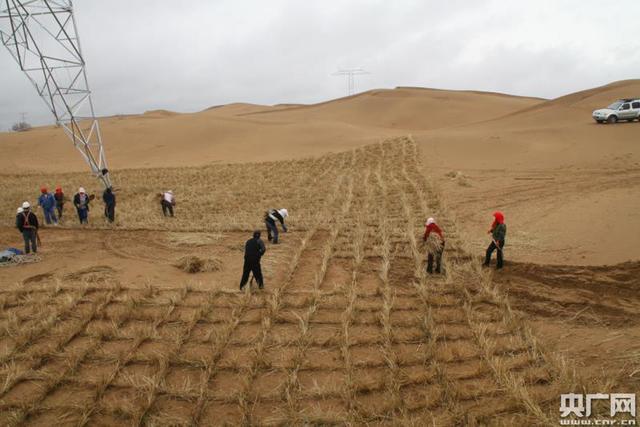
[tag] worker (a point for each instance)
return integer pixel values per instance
(168, 201)
(270, 218)
(27, 223)
(498, 233)
(59, 196)
(253, 250)
(109, 204)
(435, 245)
(81, 202)
(48, 204)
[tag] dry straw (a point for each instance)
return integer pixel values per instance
(360, 216)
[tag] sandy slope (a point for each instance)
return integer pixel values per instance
(556, 133)
(406, 108)
(569, 187)
(246, 132)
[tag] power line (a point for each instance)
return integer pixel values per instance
(350, 74)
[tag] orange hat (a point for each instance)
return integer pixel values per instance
(58, 189)
(43, 189)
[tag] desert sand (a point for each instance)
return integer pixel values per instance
(563, 181)
(107, 328)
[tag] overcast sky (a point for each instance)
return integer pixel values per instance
(187, 56)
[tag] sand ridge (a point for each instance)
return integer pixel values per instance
(247, 133)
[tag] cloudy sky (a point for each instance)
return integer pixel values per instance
(160, 54)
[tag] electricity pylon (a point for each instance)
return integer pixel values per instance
(350, 73)
(42, 37)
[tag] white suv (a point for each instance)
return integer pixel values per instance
(623, 109)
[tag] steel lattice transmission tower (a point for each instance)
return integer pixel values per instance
(350, 73)
(42, 37)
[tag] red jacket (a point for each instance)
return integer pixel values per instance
(433, 227)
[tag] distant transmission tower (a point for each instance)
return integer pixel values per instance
(42, 37)
(350, 73)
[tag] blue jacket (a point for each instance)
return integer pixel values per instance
(47, 201)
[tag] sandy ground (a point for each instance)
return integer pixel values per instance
(105, 328)
(587, 314)
(568, 187)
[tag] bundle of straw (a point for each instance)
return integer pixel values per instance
(433, 243)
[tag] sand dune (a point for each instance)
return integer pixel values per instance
(247, 132)
(158, 114)
(411, 109)
(591, 99)
(555, 133)
(571, 185)
(543, 161)
(450, 122)
(238, 108)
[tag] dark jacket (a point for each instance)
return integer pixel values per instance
(276, 214)
(59, 198)
(254, 249)
(76, 201)
(499, 232)
(108, 197)
(26, 221)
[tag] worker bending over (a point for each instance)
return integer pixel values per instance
(435, 245)
(167, 202)
(270, 218)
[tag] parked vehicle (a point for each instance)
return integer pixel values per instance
(623, 109)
